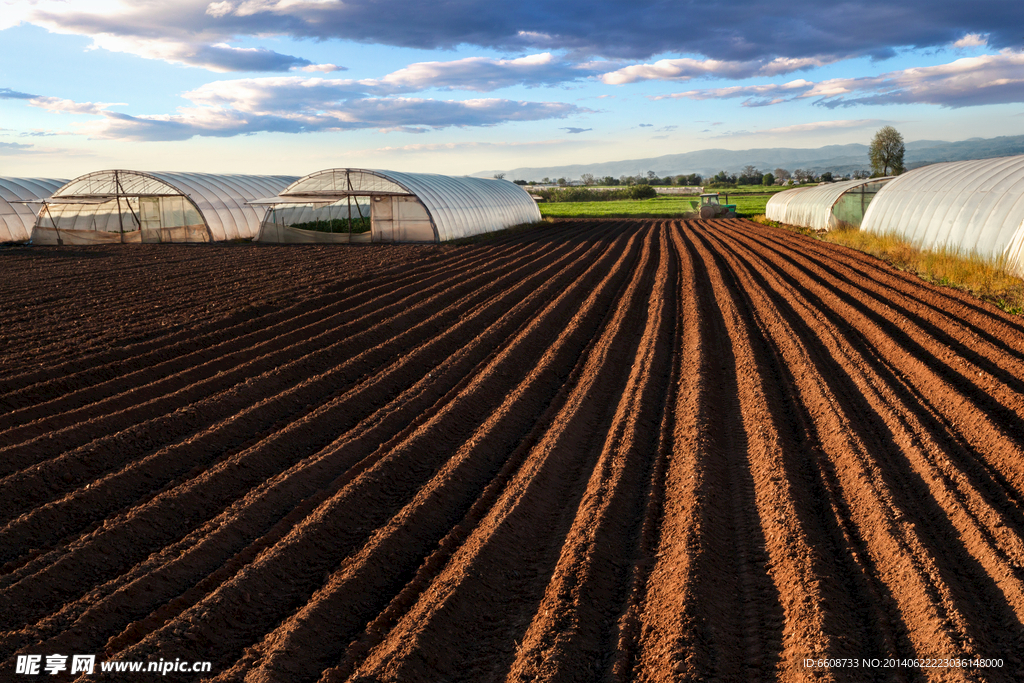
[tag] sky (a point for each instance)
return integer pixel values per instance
(461, 86)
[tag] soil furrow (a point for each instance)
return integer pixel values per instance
(45, 480)
(763, 547)
(120, 391)
(351, 516)
(305, 483)
(106, 494)
(494, 584)
(954, 308)
(214, 332)
(129, 289)
(597, 450)
(587, 593)
(897, 549)
(986, 478)
(914, 464)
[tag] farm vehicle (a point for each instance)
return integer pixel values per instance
(710, 207)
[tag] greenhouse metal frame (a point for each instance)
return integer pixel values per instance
(134, 206)
(20, 199)
(970, 207)
(401, 207)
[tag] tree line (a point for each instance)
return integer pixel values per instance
(748, 176)
(648, 178)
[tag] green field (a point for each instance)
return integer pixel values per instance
(664, 206)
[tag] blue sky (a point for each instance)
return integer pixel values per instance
(294, 86)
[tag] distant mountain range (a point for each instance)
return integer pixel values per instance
(840, 159)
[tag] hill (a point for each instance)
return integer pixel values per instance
(839, 159)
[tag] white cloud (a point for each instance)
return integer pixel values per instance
(277, 93)
(219, 9)
(825, 125)
(440, 146)
(307, 104)
(972, 40)
(738, 32)
(182, 32)
(219, 57)
(8, 94)
(43, 133)
(57, 105)
(320, 111)
(300, 93)
(971, 81)
(760, 94)
(687, 68)
(324, 68)
(482, 74)
(57, 153)
(15, 148)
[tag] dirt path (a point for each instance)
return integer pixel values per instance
(604, 450)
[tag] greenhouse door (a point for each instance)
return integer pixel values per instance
(382, 220)
(149, 216)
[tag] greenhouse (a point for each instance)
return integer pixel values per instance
(132, 206)
(827, 206)
(19, 201)
(971, 207)
(360, 205)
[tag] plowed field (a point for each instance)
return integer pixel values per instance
(603, 450)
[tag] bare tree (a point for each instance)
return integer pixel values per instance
(886, 152)
(750, 171)
(499, 176)
(781, 174)
(587, 178)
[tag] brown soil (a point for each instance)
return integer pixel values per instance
(603, 450)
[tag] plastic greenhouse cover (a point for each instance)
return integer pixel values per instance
(458, 206)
